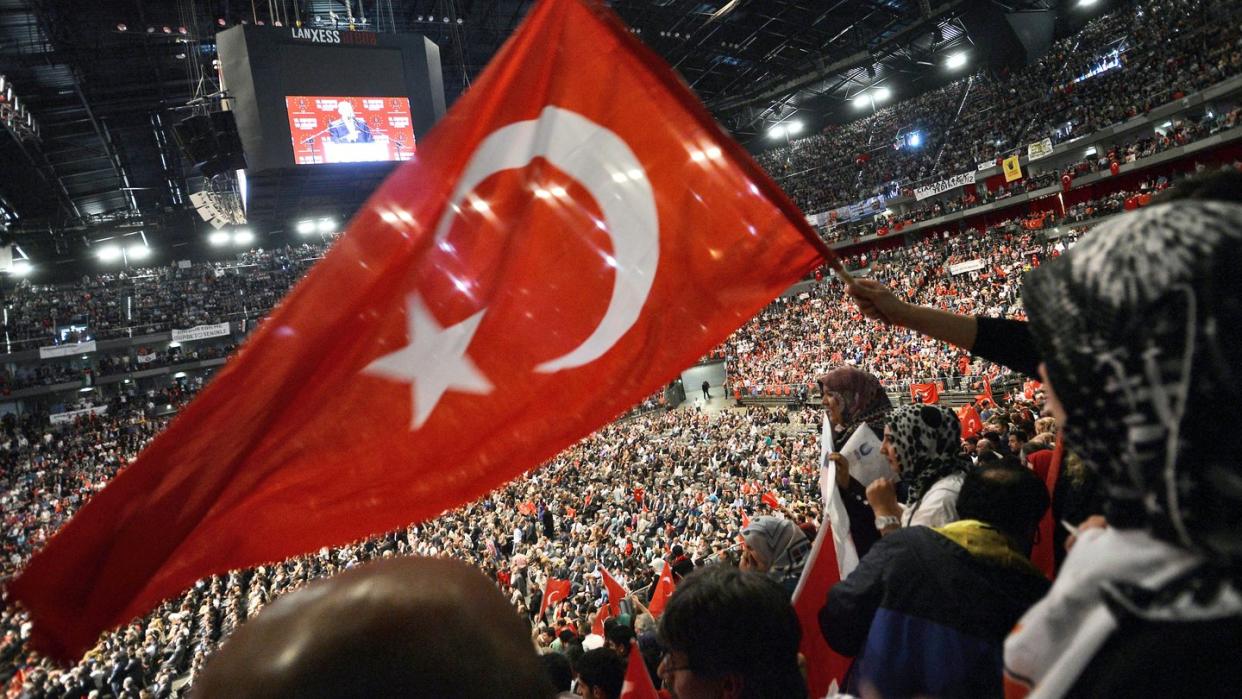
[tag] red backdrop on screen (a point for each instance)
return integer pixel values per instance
(349, 129)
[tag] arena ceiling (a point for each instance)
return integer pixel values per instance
(106, 79)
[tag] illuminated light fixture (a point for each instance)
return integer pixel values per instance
(122, 27)
(218, 238)
(862, 101)
(1090, 151)
(1086, 3)
(167, 30)
(883, 94)
(20, 268)
(955, 61)
(182, 30)
(306, 227)
(150, 30)
(243, 237)
(179, 375)
(174, 344)
(776, 131)
(138, 252)
(220, 21)
(793, 127)
(108, 253)
(326, 225)
(84, 389)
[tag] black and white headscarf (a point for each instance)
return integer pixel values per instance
(1139, 325)
(928, 440)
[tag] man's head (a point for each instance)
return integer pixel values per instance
(1012, 499)
(345, 109)
(619, 637)
(1016, 439)
(601, 673)
(730, 633)
(407, 626)
(558, 670)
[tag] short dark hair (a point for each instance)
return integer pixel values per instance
(715, 617)
(619, 634)
(1010, 498)
(604, 669)
(559, 671)
(1019, 434)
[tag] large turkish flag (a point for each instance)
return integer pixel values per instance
(575, 232)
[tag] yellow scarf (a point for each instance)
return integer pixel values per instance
(985, 541)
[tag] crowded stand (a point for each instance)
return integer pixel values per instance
(1083, 84)
(689, 530)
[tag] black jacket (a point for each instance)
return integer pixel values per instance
(927, 616)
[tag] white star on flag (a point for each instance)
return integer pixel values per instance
(433, 362)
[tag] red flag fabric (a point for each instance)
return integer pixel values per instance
(928, 393)
(574, 232)
(822, 571)
(638, 684)
(554, 592)
(745, 520)
(972, 424)
(985, 399)
(663, 590)
(1043, 555)
(597, 622)
(616, 592)
(771, 500)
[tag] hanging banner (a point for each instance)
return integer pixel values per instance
(66, 350)
(921, 193)
(71, 415)
(983, 166)
(146, 358)
(964, 267)
(200, 332)
(1013, 170)
(1039, 149)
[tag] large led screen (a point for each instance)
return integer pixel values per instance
(349, 129)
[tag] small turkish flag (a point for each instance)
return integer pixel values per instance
(822, 570)
(969, 418)
(572, 234)
(616, 592)
(638, 684)
(554, 592)
(663, 590)
(597, 623)
(769, 498)
(928, 393)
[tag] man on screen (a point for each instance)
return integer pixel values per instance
(349, 128)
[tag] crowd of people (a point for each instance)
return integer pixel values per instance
(727, 502)
(1121, 65)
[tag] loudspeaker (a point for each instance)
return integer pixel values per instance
(211, 142)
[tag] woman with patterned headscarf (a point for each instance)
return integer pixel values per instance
(923, 444)
(776, 547)
(1138, 326)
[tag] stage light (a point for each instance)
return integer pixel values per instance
(882, 94)
(179, 375)
(174, 344)
(955, 61)
(1086, 3)
(306, 227)
(914, 139)
(150, 30)
(138, 252)
(218, 238)
(862, 101)
(777, 131)
(182, 30)
(121, 27)
(793, 127)
(108, 253)
(20, 268)
(167, 30)
(243, 236)
(220, 21)
(326, 225)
